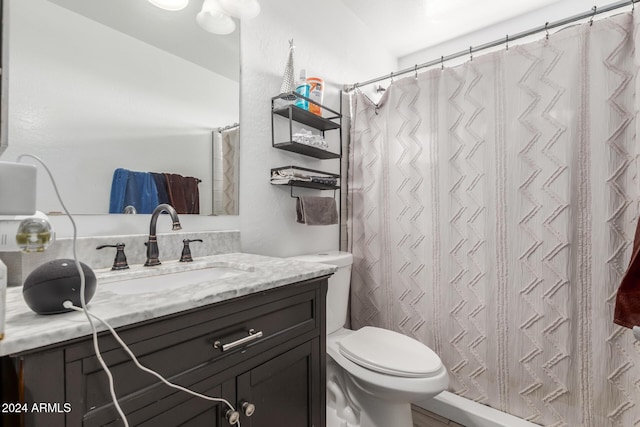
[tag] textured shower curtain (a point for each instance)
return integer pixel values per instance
(492, 208)
(226, 165)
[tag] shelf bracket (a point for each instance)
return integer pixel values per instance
(295, 197)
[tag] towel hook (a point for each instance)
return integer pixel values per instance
(594, 8)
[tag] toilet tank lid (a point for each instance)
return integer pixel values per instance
(337, 258)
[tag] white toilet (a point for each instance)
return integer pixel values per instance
(373, 374)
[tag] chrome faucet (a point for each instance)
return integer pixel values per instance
(152, 244)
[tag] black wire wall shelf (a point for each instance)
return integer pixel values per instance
(306, 183)
(283, 106)
(308, 118)
(307, 150)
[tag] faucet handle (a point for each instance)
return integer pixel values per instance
(120, 261)
(186, 251)
(130, 209)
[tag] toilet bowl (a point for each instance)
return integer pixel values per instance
(373, 374)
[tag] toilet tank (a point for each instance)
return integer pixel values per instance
(338, 290)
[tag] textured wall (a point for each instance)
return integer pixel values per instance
(330, 43)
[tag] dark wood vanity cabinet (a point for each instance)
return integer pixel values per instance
(281, 373)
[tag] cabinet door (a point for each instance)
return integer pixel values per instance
(195, 412)
(287, 391)
(175, 408)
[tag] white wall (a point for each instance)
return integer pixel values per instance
(331, 43)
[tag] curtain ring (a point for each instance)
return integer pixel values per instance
(595, 9)
(391, 77)
(506, 43)
(633, 6)
(442, 63)
(546, 30)
(470, 53)
(416, 70)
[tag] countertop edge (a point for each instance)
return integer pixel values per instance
(27, 331)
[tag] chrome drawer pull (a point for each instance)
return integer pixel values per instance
(253, 335)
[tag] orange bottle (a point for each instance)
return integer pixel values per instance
(316, 92)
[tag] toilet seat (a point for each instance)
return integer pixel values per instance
(390, 353)
(390, 388)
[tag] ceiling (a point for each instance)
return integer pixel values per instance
(407, 26)
(402, 26)
(174, 32)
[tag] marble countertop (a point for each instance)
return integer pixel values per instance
(25, 330)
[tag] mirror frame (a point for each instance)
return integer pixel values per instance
(4, 75)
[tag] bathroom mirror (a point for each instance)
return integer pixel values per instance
(97, 85)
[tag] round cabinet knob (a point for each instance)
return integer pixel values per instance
(232, 416)
(248, 408)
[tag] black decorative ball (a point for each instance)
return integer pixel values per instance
(55, 282)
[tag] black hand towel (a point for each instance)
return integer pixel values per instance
(316, 210)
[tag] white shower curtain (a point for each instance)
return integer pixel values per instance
(492, 208)
(226, 168)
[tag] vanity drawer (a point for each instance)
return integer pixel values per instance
(177, 344)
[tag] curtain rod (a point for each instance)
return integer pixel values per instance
(549, 25)
(235, 125)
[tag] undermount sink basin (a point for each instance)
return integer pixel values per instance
(167, 282)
